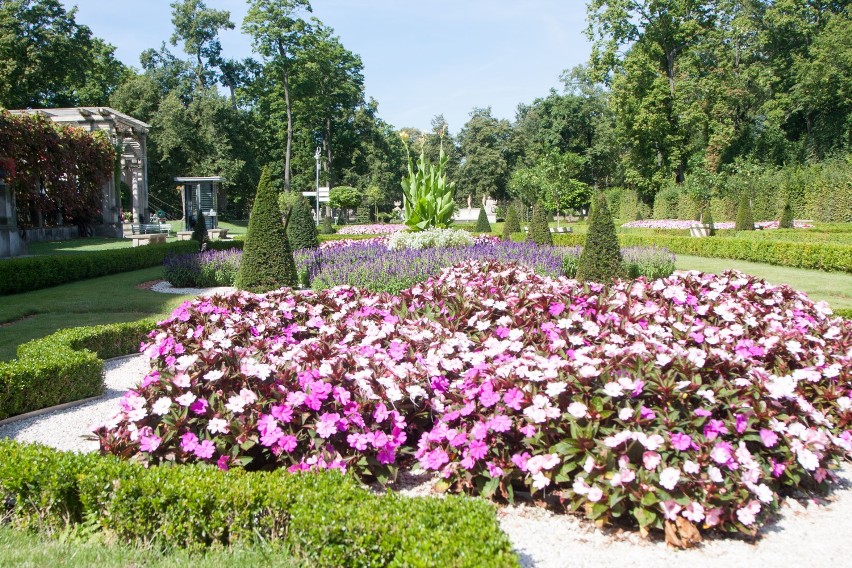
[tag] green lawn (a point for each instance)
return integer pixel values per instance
(833, 287)
(24, 549)
(108, 299)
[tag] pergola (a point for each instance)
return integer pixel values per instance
(130, 137)
(200, 193)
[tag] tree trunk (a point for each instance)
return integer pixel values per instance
(286, 76)
(328, 151)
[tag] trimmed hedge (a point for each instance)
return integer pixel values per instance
(65, 366)
(36, 272)
(815, 256)
(324, 519)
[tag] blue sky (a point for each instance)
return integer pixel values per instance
(420, 58)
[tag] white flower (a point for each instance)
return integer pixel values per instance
(715, 474)
(214, 375)
(595, 494)
(186, 399)
(577, 409)
(555, 389)
(217, 425)
(625, 413)
(162, 405)
(694, 512)
(807, 459)
(669, 477)
(613, 389)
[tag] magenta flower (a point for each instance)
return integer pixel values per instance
(681, 442)
(188, 442)
(714, 428)
(435, 459)
(287, 443)
(556, 308)
(513, 398)
(222, 463)
(478, 449)
(327, 425)
(199, 406)
(149, 443)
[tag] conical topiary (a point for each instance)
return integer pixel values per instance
(745, 218)
(301, 231)
(267, 258)
(512, 225)
(482, 224)
(199, 231)
(326, 226)
(539, 229)
(601, 259)
(708, 220)
(786, 221)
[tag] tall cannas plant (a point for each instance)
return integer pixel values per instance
(427, 195)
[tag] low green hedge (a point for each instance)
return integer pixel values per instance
(816, 256)
(65, 366)
(844, 313)
(323, 519)
(37, 272)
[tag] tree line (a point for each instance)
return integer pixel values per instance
(675, 91)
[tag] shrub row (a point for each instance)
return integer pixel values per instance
(65, 366)
(37, 272)
(816, 256)
(325, 519)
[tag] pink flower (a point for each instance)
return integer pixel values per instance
(222, 463)
(478, 450)
(714, 428)
(205, 450)
(494, 470)
(768, 437)
(149, 443)
(520, 460)
(670, 509)
(287, 443)
(199, 406)
(327, 425)
(681, 442)
(500, 423)
(513, 398)
(435, 459)
(747, 514)
(188, 442)
(694, 512)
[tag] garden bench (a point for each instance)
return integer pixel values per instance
(149, 228)
(554, 229)
(214, 234)
(147, 238)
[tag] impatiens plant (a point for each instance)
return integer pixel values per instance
(694, 399)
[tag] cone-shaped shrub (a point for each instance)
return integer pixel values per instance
(512, 225)
(301, 230)
(482, 224)
(539, 229)
(601, 258)
(745, 218)
(708, 220)
(326, 226)
(267, 258)
(786, 221)
(199, 231)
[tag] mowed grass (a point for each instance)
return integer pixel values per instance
(25, 549)
(832, 287)
(108, 299)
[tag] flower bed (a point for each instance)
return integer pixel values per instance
(379, 229)
(204, 269)
(697, 397)
(680, 224)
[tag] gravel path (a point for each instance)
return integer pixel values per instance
(807, 533)
(166, 288)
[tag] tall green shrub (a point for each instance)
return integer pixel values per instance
(708, 220)
(601, 259)
(539, 228)
(786, 221)
(267, 258)
(511, 225)
(745, 218)
(199, 231)
(362, 214)
(326, 226)
(301, 231)
(426, 194)
(482, 224)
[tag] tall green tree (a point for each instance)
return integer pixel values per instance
(277, 29)
(48, 59)
(197, 27)
(483, 144)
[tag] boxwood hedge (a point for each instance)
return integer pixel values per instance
(37, 272)
(816, 256)
(324, 519)
(65, 366)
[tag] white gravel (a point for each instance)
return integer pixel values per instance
(808, 532)
(166, 288)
